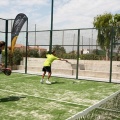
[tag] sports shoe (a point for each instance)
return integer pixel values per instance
(41, 81)
(48, 82)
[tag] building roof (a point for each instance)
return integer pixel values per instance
(32, 47)
(17, 46)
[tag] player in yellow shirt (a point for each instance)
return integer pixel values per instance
(47, 66)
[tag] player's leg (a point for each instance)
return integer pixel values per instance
(43, 75)
(49, 75)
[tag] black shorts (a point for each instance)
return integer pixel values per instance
(47, 69)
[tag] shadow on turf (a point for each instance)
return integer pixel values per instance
(10, 98)
(56, 82)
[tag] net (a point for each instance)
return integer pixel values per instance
(107, 109)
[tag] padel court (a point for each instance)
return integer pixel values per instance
(22, 97)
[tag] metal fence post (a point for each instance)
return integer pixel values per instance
(77, 66)
(26, 48)
(111, 54)
(51, 31)
(6, 41)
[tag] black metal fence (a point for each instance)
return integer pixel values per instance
(79, 46)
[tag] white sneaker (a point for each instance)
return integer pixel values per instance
(48, 82)
(41, 81)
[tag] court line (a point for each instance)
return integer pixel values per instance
(61, 101)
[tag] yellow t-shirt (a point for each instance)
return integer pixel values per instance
(50, 59)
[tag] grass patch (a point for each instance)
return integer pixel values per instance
(22, 97)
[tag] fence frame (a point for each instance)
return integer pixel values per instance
(50, 44)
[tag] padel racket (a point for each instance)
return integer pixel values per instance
(6, 71)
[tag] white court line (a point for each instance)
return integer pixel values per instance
(61, 101)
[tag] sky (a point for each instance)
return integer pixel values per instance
(67, 14)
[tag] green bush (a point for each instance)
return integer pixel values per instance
(91, 57)
(33, 53)
(17, 57)
(43, 54)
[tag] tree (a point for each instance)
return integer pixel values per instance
(33, 53)
(116, 22)
(43, 54)
(60, 51)
(104, 23)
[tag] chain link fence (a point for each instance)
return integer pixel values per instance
(89, 58)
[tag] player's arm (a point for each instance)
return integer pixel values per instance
(56, 58)
(62, 59)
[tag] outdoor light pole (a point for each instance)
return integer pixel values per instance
(50, 46)
(35, 34)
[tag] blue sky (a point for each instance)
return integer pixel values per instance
(68, 14)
